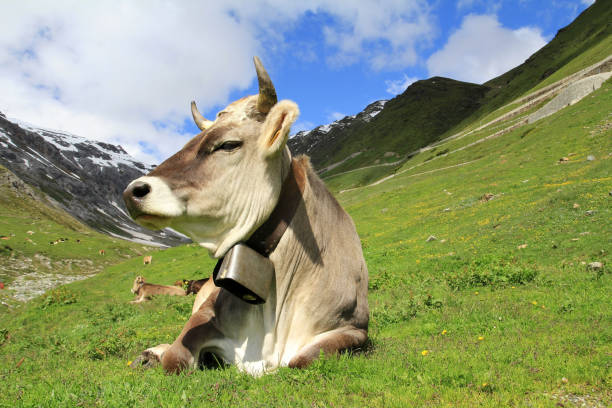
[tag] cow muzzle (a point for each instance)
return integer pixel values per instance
(134, 195)
(150, 201)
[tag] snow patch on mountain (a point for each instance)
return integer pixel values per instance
(86, 178)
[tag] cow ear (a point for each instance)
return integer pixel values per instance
(275, 130)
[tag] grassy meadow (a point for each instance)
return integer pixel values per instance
(500, 309)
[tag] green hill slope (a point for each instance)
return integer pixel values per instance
(588, 30)
(42, 246)
(411, 120)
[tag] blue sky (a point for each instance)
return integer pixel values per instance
(124, 72)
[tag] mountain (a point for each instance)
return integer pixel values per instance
(386, 130)
(83, 177)
(433, 109)
(42, 246)
(322, 142)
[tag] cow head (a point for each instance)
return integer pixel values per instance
(224, 183)
(138, 282)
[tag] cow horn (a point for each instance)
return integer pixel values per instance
(267, 93)
(200, 120)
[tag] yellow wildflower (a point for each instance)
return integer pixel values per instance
(534, 303)
(424, 352)
(129, 363)
(444, 331)
(480, 338)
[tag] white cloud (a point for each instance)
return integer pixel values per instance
(491, 7)
(465, 4)
(482, 49)
(334, 116)
(399, 86)
(588, 2)
(124, 72)
(301, 125)
(111, 70)
(387, 36)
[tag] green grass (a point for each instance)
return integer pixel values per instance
(591, 56)
(469, 319)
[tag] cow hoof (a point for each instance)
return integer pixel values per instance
(177, 359)
(145, 360)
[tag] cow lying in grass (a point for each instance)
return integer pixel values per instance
(144, 290)
(237, 183)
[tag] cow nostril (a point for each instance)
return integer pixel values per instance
(141, 190)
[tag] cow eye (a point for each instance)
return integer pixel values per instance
(228, 146)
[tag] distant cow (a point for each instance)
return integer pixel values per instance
(147, 259)
(236, 182)
(144, 290)
(194, 286)
(190, 285)
(102, 252)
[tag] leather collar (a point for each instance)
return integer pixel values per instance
(265, 239)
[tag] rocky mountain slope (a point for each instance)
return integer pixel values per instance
(319, 142)
(83, 177)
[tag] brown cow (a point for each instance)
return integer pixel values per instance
(147, 259)
(237, 182)
(190, 285)
(194, 286)
(144, 291)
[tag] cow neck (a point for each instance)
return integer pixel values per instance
(265, 239)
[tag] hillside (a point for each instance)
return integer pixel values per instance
(419, 116)
(83, 177)
(43, 246)
(323, 142)
(587, 31)
(405, 123)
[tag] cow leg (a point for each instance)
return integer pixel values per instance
(330, 342)
(205, 291)
(185, 350)
(150, 357)
(200, 328)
